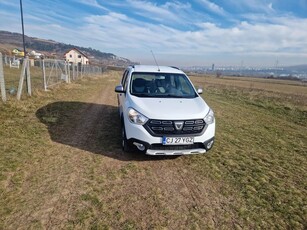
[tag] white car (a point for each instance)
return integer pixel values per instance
(161, 112)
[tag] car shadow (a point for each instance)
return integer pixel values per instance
(91, 127)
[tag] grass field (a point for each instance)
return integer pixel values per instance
(12, 76)
(61, 164)
(262, 148)
(52, 75)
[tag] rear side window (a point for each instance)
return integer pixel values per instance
(124, 79)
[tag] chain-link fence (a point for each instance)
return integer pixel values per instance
(43, 74)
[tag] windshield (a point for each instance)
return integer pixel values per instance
(161, 85)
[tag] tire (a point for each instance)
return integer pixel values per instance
(125, 145)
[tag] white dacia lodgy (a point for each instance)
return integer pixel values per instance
(161, 112)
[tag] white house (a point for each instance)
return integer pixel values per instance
(76, 56)
(35, 55)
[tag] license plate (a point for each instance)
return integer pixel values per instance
(177, 140)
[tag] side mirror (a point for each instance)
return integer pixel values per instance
(199, 90)
(119, 89)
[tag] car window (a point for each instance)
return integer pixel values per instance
(184, 85)
(125, 79)
(161, 85)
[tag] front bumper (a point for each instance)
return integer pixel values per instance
(171, 150)
(137, 134)
(174, 152)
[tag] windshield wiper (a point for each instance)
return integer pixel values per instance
(174, 96)
(178, 96)
(161, 95)
(143, 95)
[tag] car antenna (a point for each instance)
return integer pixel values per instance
(155, 60)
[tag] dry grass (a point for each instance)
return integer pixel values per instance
(261, 149)
(283, 92)
(62, 167)
(12, 76)
(271, 85)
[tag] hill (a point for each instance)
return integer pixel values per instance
(9, 41)
(299, 68)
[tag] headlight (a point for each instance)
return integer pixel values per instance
(136, 117)
(209, 118)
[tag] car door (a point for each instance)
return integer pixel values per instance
(122, 96)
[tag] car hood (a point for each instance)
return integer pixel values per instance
(170, 108)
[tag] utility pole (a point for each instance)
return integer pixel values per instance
(23, 30)
(23, 40)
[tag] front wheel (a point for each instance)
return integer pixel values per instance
(125, 145)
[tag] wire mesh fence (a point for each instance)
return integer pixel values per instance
(43, 73)
(54, 72)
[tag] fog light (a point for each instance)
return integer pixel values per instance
(209, 145)
(140, 147)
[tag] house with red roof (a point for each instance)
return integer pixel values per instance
(76, 56)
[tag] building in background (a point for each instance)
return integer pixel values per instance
(75, 56)
(34, 55)
(17, 52)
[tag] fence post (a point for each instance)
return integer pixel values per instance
(80, 67)
(44, 75)
(73, 71)
(5, 60)
(2, 84)
(29, 77)
(68, 72)
(22, 78)
(66, 75)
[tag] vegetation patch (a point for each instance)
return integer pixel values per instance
(61, 163)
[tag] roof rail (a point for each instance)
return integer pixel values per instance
(174, 67)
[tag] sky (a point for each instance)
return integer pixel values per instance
(180, 33)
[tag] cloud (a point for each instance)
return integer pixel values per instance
(10, 3)
(14, 24)
(166, 13)
(284, 35)
(118, 30)
(93, 3)
(262, 6)
(126, 36)
(175, 31)
(213, 7)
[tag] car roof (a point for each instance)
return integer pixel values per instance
(155, 69)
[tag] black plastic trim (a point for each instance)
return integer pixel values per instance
(196, 145)
(173, 132)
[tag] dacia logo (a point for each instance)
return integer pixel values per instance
(178, 125)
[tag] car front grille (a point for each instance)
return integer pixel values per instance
(171, 127)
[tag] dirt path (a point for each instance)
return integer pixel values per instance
(84, 180)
